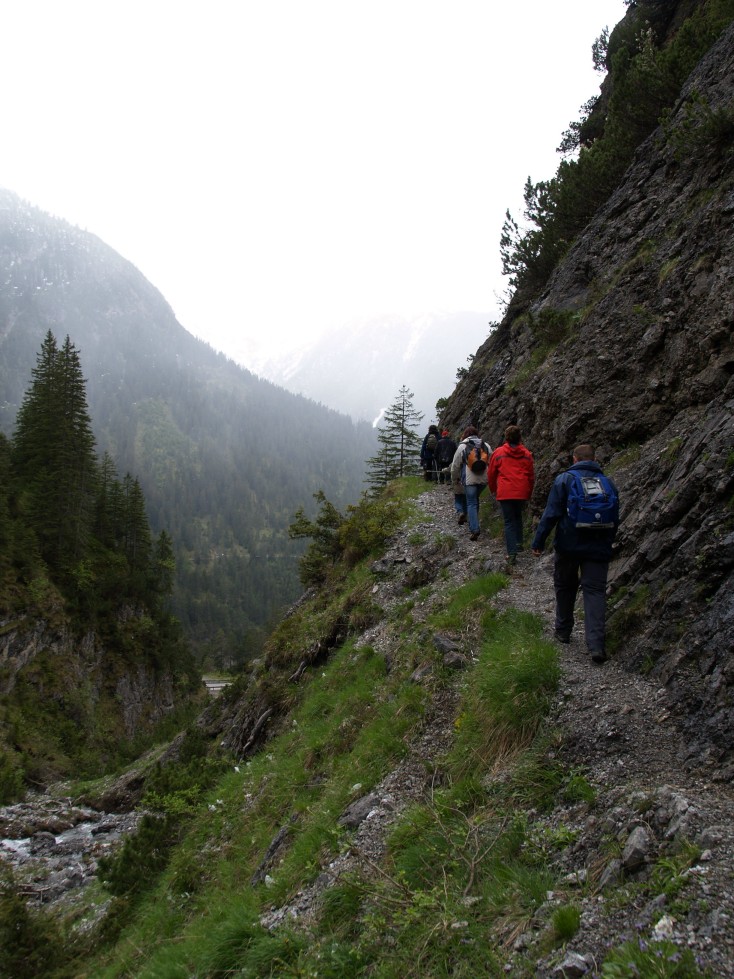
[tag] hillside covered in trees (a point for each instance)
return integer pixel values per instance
(224, 459)
(92, 659)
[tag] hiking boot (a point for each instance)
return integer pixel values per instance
(598, 656)
(511, 559)
(462, 518)
(474, 536)
(562, 637)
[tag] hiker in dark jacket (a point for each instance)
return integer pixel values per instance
(581, 559)
(428, 453)
(511, 477)
(445, 451)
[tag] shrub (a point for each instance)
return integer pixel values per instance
(30, 945)
(143, 856)
(11, 779)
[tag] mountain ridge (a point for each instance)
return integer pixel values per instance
(194, 427)
(359, 366)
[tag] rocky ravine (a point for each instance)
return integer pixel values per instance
(618, 727)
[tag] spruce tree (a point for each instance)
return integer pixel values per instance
(400, 444)
(54, 464)
(137, 534)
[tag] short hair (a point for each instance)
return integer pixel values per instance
(468, 431)
(513, 434)
(584, 452)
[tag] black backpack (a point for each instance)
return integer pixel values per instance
(431, 443)
(446, 450)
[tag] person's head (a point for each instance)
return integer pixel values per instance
(433, 429)
(584, 453)
(513, 435)
(445, 433)
(470, 432)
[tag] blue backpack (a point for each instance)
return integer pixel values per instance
(592, 503)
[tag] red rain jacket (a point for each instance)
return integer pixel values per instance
(511, 473)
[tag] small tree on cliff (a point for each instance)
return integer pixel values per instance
(400, 444)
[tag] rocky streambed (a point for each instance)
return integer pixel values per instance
(52, 845)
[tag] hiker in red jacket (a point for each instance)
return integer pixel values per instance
(511, 477)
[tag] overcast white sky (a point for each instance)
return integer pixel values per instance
(275, 167)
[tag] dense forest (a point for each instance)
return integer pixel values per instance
(80, 573)
(223, 458)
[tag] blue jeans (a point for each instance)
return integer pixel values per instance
(570, 572)
(512, 511)
(472, 491)
(460, 503)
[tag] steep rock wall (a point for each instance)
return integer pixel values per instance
(630, 347)
(109, 694)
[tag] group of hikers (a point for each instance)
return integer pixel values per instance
(582, 508)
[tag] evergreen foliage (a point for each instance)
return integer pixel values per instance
(399, 443)
(223, 458)
(323, 532)
(646, 72)
(54, 466)
(338, 540)
(31, 945)
(78, 553)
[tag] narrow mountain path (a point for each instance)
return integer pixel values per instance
(616, 728)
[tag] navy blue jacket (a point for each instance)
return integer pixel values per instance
(596, 545)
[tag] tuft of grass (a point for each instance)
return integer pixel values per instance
(565, 922)
(654, 960)
(469, 602)
(510, 694)
(625, 457)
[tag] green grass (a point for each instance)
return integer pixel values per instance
(510, 693)
(202, 918)
(468, 866)
(469, 602)
(349, 730)
(653, 960)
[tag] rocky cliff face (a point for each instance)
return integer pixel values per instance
(630, 347)
(84, 694)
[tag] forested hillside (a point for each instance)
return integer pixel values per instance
(91, 659)
(224, 459)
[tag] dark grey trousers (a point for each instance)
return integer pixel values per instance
(571, 572)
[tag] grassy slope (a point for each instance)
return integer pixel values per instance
(467, 867)
(348, 731)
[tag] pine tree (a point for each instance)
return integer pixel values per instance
(137, 540)
(54, 464)
(400, 445)
(162, 566)
(5, 524)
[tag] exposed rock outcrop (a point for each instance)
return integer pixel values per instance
(631, 347)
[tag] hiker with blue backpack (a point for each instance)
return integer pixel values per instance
(583, 506)
(469, 472)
